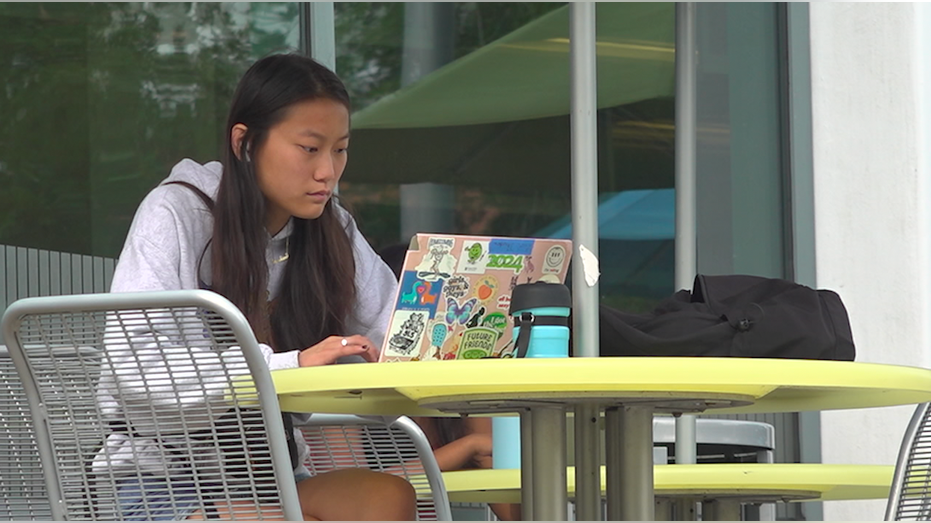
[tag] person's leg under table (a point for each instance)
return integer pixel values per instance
(629, 463)
(548, 447)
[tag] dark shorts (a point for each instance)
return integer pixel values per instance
(163, 500)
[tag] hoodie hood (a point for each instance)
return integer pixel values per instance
(205, 177)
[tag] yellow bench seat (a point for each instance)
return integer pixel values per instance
(746, 482)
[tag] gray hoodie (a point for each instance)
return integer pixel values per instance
(162, 250)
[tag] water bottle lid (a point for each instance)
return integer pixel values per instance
(539, 294)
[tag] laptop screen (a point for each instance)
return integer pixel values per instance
(455, 290)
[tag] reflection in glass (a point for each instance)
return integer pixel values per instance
(104, 98)
(493, 126)
(740, 145)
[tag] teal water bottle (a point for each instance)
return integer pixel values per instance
(541, 330)
(541, 320)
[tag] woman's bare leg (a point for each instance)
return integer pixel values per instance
(340, 495)
(357, 494)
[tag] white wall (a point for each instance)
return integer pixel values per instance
(871, 170)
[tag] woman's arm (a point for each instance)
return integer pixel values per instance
(465, 452)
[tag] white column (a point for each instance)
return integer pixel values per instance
(870, 129)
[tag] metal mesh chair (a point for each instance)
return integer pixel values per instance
(910, 495)
(383, 444)
(22, 486)
(163, 389)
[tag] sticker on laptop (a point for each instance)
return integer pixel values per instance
(554, 259)
(453, 300)
(438, 262)
(474, 258)
(416, 293)
(406, 332)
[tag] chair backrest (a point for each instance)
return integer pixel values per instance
(910, 495)
(22, 486)
(395, 445)
(134, 388)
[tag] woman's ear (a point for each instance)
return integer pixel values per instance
(237, 133)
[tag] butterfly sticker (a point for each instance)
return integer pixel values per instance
(460, 314)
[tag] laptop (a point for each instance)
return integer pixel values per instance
(455, 290)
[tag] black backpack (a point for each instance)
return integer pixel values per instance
(737, 316)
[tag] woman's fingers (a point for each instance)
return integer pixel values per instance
(369, 352)
(335, 347)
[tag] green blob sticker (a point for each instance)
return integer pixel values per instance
(477, 342)
(473, 354)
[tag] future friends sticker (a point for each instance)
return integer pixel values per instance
(477, 342)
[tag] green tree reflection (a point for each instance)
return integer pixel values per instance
(101, 99)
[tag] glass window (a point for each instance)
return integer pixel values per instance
(740, 144)
(461, 125)
(636, 154)
(101, 100)
(445, 152)
(740, 170)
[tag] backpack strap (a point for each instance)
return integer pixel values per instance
(200, 194)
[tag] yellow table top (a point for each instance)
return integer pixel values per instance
(729, 385)
(746, 482)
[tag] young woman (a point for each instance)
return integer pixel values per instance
(263, 229)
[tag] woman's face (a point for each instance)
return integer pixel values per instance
(301, 161)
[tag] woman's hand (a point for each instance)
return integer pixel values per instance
(335, 347)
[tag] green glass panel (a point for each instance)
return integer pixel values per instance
(485, 135)
(104, 98)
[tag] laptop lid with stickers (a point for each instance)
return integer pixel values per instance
(455, 290)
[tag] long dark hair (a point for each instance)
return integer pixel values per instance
(318, 288)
